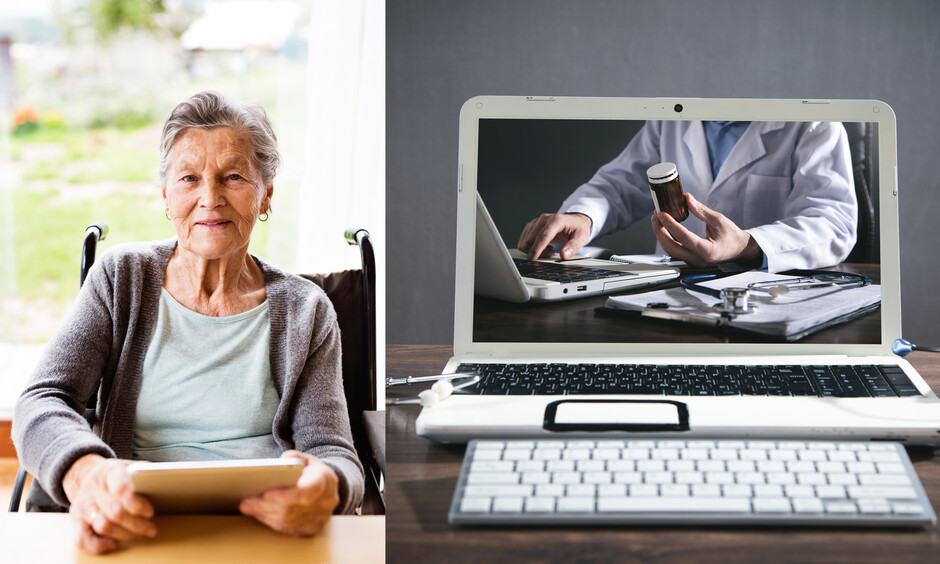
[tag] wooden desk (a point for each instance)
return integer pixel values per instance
(422, 476)
(577, 321)
(44, 538)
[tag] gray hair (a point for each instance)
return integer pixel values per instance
(208, 110)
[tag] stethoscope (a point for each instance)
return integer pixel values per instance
(734, 300)
(442, 388)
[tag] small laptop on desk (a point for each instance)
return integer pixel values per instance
(523, 155)
(509, 275)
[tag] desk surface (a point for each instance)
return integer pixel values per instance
(47, 537)
(577, 321)
(422, 476)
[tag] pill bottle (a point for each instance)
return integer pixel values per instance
(667, 190)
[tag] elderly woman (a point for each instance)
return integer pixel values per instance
(202, 350)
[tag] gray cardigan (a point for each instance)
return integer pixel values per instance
(105, 338)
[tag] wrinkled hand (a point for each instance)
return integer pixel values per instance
(724, 241)
(104, 506)
(301, 510)
(572, 229)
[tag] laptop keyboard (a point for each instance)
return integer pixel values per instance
(690, 380)
(563, 272)
(593, 482)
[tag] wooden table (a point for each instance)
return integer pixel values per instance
(422, 476)
(46, 538)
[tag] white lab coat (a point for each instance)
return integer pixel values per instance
(789, 185)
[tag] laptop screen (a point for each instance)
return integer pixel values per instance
(809, 190)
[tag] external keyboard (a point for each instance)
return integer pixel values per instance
(720, 482)
(563, 272)
(694, 380)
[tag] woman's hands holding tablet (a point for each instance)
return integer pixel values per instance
(301, 510)
(104, 505)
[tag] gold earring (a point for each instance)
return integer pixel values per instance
(263, 217)
(167, 214)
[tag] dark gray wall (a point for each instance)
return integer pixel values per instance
(439, 53)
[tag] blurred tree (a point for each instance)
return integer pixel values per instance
(110, 16)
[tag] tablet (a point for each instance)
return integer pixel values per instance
(210, 486)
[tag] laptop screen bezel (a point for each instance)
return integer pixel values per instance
(584, 108)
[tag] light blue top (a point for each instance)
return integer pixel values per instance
(721, 137)
(207, 391)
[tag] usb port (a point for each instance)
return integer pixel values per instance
(582, 288)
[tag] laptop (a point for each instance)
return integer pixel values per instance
(508, 274)
(569, 369)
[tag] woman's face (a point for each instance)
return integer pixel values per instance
(213, 192)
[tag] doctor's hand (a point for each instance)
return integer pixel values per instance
(572, 229)
(724, 241)
(103, 504)
(301, 510)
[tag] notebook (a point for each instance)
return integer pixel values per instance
(508, 274)
(526, 155)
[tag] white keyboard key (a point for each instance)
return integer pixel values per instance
(549, 490)
(536, 478)
(693, 453)
(706, 490)
(781, 478)
(675, 505)
(528, 445)
(576, 454)
(763, 445)
(841, 507)
(689, 478)
(635, 454)
(475, 504)
(628, 478)
(882, 492)
(611, 490)
(907, 508)
(539, 504)
(665, 454)
(861, 467)
(830, 492)
(566, 477)
(719, 478)
(772, 505)
(530, 466)
(812, 455)
(873, 506)
(700, 444)
(621, 465)
(724, 454)
(881, 446)
(751, 478)
(589, 465)
(575, 505)
(517, 454)
(890, 468)
(711, 466)
(768, 490)
(493, 478)
(546, 454)
(674, 490)
(883, 479)
(799, 491)
(596, 478)
(680, 465)
(842, 456)
(658, 478)
(559, 466)
(606, 454)
(487, 454)
(641, 444)
(830, 467)
(578, 445)
(550, 444)
(650, 465)
(498, 491)
(785, 455)
(753, 454)
(507, 505)
(843, 479)
(492, 466)
(610, 444)
(643, 490)
(741, 466)
(490, 445)
(808, 505)
(767, 466)
(580, 490)
(811, 478)
(731, 444)
(879, 456)
(736, 490)
(800, 466)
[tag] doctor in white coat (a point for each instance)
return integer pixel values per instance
(783, 197)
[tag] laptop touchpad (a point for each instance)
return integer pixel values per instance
(616, 415)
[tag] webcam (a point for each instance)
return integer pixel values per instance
(678, 108)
